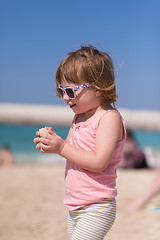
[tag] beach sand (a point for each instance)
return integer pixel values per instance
(31, 204)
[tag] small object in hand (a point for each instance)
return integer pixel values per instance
(43, 130)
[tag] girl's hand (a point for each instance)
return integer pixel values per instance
(49, 142)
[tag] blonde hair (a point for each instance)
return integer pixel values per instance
(89, 65)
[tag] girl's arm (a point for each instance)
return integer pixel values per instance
(109, 132)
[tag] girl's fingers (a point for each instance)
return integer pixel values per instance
(36, 140)
(51, 131)
(48, 135)
(38, 146)
(45, 148)
(45, 141)
(38, 133)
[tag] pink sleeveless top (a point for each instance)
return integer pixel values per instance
(83, 187)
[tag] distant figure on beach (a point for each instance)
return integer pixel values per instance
(134, 157)
(6, 157)
(94, 146)
(145, 198)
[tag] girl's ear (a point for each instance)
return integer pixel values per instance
(97, 93)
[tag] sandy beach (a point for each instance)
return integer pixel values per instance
(31, 203)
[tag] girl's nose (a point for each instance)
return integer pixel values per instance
(65, 97)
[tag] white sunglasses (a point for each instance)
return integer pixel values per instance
(70, 91)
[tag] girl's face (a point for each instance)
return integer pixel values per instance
(86, 98)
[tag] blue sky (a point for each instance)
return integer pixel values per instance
(36, 35)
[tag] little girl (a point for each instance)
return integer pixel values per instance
(94, 145)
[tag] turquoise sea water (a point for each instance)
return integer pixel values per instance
(20, 139)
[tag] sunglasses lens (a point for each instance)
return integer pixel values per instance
(70, 92)
(59, 92)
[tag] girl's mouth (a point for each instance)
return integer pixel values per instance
(71, 106)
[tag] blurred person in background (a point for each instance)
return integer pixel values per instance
(6, 157)
(140, 202)
(134, 157)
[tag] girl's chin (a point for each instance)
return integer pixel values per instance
(76, 110)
